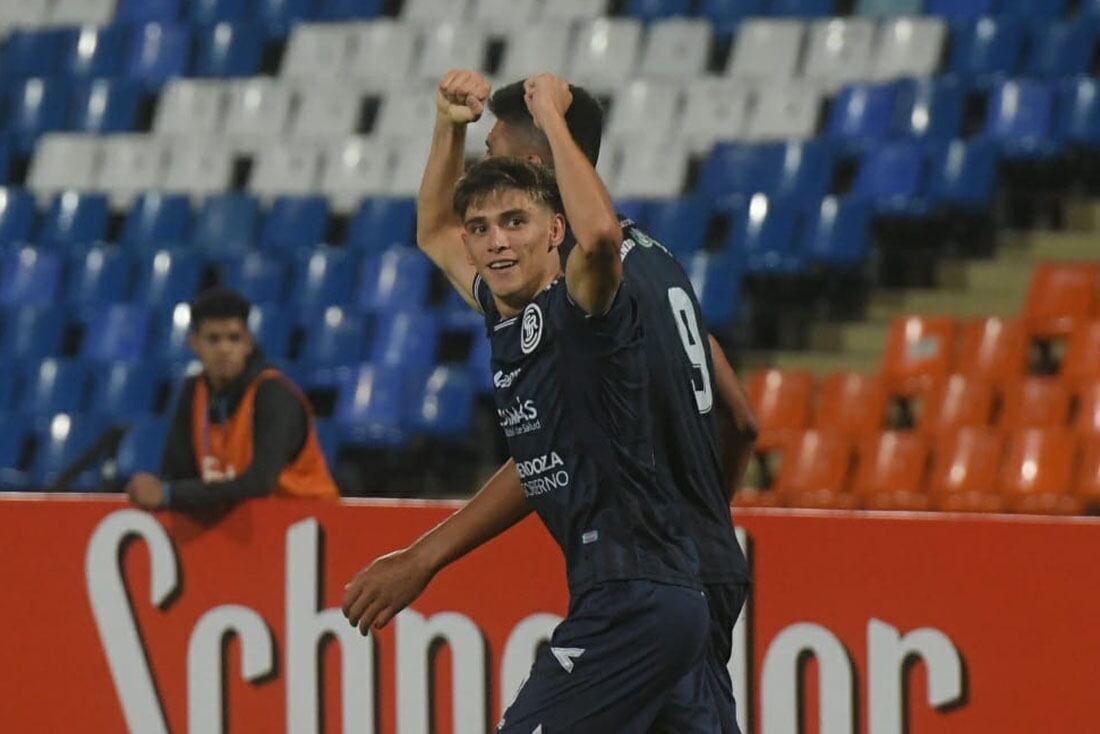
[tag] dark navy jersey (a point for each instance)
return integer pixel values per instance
(571, 392)
(686, 437)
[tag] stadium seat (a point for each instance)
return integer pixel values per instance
(156, 221)
(351, 170)
(198, 167)
(1038, 471)
(985, 49)
(30, 277)
(35, 106)
(643, 112)
(257, 114)
(802, 8)
(1086, 485)
(382, 54)
(782, 403)
(1044, 11)
(381, 222)
(370, 407)
(123, 391)
(449, 45)
(147, 11)
(785, 111)
(955, 402)
(118, 332)
(5, 163)
(341, 10)
(167, 277)
(61, 442)
(964, 471)
(321, 279)
(726, 16)
(158, 52)
(530, 50)
(890, 471)
(961, 8)
(836, 234)
(316, 52)
(675, 49)
(63, 162)
(766, 49)
(130, 165)
(98, 277)
(278, 17)
(326, 111)
(97, 51)
(142, 448)
(397, 279)
(1060, 50)
(652, 10)
(681, 225)
(103, 106)
(13, 444)
(272, 328)
(574, 10)
(294, 224)
(32, 332)
(226, 225)
(406, 339)
(1034, 402)
(405, 116)
(1061, 296)
(908, 48)
(893, 179)
(649, 172)
(445, 408)
(1021, 119)
(74, 219)
(814, 469)
(852, 403)
(1087, 413)
(963, 175)
(862, 115)
(763, 238)
(1081, 364)
(839, 51)
(930, 110)
(228, 50)
(717, 283)
(919, 351)
(504, 17)
(992, 349)
(16, 216)
(81, 12)
(333, 337)
(210, 12)
(605, 53)
(190, 107)
(259, 278)
(889, 8)
(54, 386)
(33, 52)
(1079, 112)
(713, 113)
(172, 331)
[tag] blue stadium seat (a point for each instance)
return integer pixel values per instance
(963, 175)
(278, 16)
(228, 50)
(13, 442)
(330, 10)
(802, 171)
(732, 168)
(321, 279)
(166, 277)
(380, 223)
(173, 327)
(648, 10)
(681, 225)
(30, 277)
(226, 225)
(95, 52)
(34, 53)
(862, 114)
(1062, 49)
(118, 332)
(837, 233)
(295, 223)
(1020, 119)
(889, 8)
(961, 8)
(123, 391)
(370, 407)
(986, 49)
(271, 327)
(61, 441)
(328, 435)
(1079, 112)
(147, 11)
(479, 363)
(930, 110)
(210, 12)
(54, 386)
(142, 448)
(74, 219)
(5, 163)
(158, 52)
(258, 278)
(35, 106)
(1033, 11)
(802, 8)
(726, 15)
(156, 220)
(335, 338)
(7, 389)
(16, 216)
(763, 237)
(396, 279)
(445, 407)
(717, 282)
(406, 339)
(104, 106)
(32, 333)
(99, 276)
(635, 210)
(893, 178)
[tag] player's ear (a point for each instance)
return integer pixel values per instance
(534, 158)
(557, 230)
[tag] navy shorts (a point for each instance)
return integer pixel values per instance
(631, 656)
(725, 602)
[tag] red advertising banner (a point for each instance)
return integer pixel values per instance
(114, 619)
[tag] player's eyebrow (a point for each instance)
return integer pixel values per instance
(512, 213)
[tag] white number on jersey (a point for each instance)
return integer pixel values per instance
(684, 315)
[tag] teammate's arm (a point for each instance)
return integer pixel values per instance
(594, 269)
(735, 406)
(389, 584)
(460, 100)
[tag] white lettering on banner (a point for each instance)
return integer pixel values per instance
(782, 702)
(206, 683)
(114, 618)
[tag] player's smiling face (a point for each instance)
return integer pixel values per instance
(513, 242)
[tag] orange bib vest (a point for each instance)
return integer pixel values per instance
(224, 451)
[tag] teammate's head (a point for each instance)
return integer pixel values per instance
(512, 220)
(220, 336)
(515, 132)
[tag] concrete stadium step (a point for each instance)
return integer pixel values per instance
(1002, 275)
(1041, 246)
(1083, 215)
(820, 362)
(884, 308)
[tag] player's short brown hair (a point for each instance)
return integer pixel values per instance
(493, 175)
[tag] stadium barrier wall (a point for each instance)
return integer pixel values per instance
(117, 619)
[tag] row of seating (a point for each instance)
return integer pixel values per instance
(1036, 470)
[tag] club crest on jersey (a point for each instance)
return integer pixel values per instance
(531, 328)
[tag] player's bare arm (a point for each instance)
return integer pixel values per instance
(460, 100)
(378, 592)
(594, 268)
(734, 405)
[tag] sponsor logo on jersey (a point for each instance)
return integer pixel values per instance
(521, 417)
(502, 380)
(531, 329)
(543, 474)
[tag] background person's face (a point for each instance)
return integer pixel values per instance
(223, 346)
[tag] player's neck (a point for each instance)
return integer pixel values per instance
(507, 308)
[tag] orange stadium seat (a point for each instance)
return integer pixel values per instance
(1087, 420)
(890, 471)
(1061, 296)
(1086, 486)
(959, 400)
(992, 349)
(814, 469)
(781, 401)
(919, 351)
(1037, 472)
(964, 471)
(1082, 361)
(1034, 402)
(852, 403)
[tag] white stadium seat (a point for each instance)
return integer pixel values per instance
(434, 11)
(908, 47)
(408, 168)
(570, 10)
(351, 169)
(606, 53)
(476, 133)
(381, 54)
(25, 13)
(326, 110)
(503, 17)
(714, 111)
(649, 172)
(316, 51)
(131, 164)
(766, 49)
(450, 46)
(190, 107)
(543, 47)
(839, 52)
(257, 112)
(644, 111)
(198, 166)
(285, 170)
(787, 111)
(63, 161)
(676, 48)
(81, 12)
(406, 115)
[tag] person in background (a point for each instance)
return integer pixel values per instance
(241, 429)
